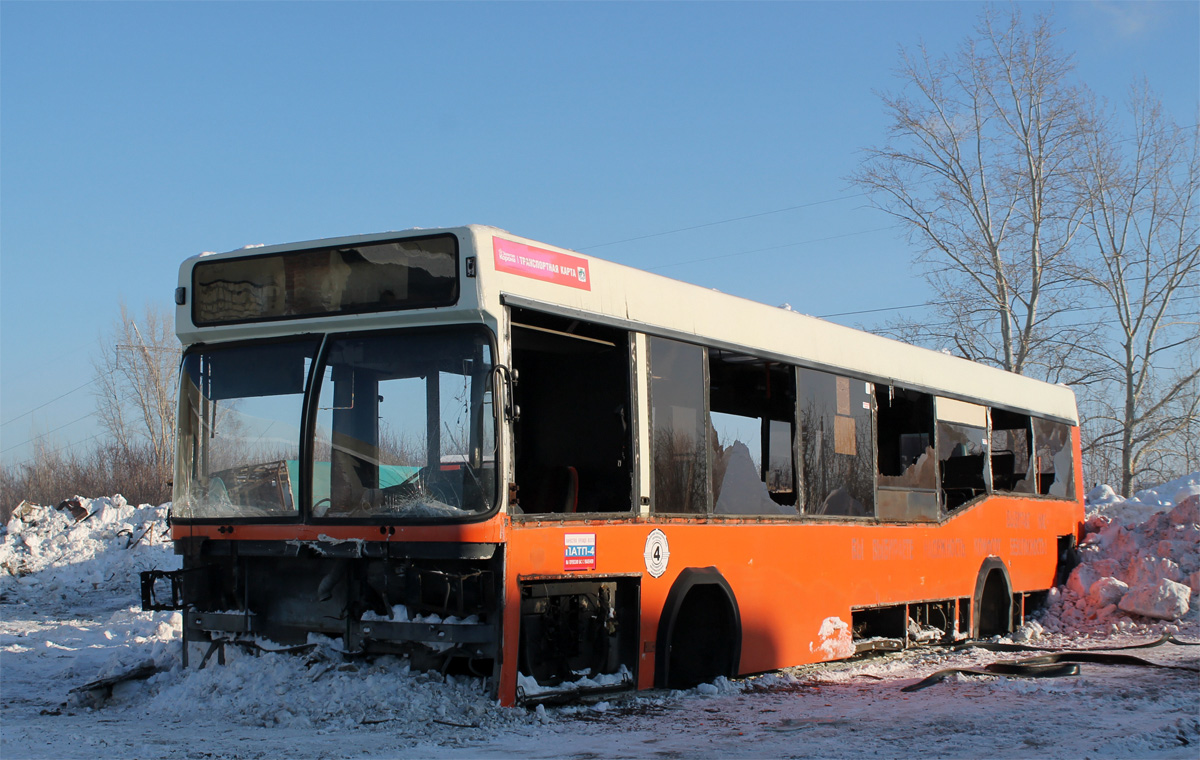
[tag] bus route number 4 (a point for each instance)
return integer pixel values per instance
(657, 553)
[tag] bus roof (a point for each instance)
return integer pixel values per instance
(522, 272)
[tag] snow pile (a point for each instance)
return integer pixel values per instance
(51, 556)
(1139, 562)
(81, 563)
(1103, 500)
(529, 686)
(322, 690)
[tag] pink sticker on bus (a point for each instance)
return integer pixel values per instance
(540, 264)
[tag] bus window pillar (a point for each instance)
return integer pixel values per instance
(641, 420)
(433, 419)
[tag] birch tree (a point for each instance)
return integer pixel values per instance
(977, 168)
(1140, 195)
(137, 373)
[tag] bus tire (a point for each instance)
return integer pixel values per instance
(699, 632)
(991, 608)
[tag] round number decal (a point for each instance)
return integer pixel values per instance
(657, 553)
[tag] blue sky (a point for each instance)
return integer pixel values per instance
(133, 135)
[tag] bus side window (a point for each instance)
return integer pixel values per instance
(1011, 442)
(752, 411)
(1054, 459)
(907, 474)
(836, 445)
(962, 442)
(679, 428)
(905, 420)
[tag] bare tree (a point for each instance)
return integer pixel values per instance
(977, 167)
(1140, 196)
(137, 373)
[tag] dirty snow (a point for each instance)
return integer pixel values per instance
(69, 614)
(1139, 562)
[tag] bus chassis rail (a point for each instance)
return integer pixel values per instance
(150, 580)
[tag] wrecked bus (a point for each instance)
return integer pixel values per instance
(495, 456)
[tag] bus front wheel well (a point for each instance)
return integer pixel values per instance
(699, 632)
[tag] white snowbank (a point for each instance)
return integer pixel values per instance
(48, 557)
(1139, 562)
(1103, 499)
(836, 639)
(86, 572)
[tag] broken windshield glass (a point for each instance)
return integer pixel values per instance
(239, 430)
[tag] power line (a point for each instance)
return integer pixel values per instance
(48, 403)
(43, 435)
(882, 308)
(73, 445)
(943, 303)
(1081, 324)
(770, 248)
(723, 221)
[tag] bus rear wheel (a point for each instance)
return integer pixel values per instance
(992, 613)
(701, 629)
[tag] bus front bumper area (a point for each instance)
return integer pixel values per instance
(435, 604)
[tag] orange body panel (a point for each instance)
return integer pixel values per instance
(789, 577)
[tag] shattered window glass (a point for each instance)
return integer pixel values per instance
(1054, 461)
(905, 421)
(238, 451)
(405, 427)
(1011, 440)
(962, 453)
(752, 412)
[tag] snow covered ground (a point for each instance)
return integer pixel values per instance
(69, 614)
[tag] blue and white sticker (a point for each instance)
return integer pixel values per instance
(579, 552)
(657, 554)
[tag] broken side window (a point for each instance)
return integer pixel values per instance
(836, 445)
(1054, 464)
(907, 474)
(679, 427)
(753, 408)
(905, 420)
(962, 451)
(1011, 442)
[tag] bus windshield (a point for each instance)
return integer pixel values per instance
(404, 426)
(239, 430)
(402, 429)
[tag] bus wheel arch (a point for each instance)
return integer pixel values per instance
(699, 631)
(991, 607)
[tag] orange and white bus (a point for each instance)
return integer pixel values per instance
(495, 456)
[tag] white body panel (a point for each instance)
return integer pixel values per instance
(658, 305)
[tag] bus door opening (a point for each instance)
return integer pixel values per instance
(573, 438)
